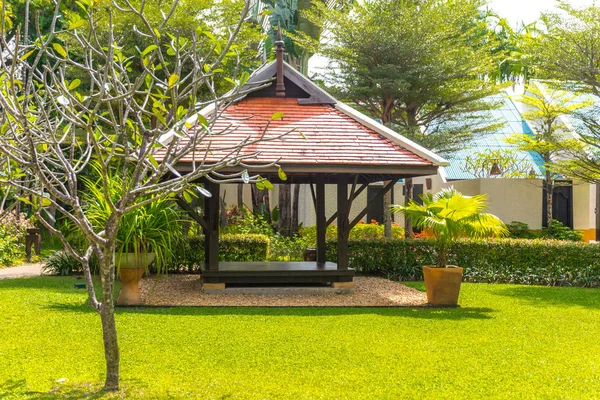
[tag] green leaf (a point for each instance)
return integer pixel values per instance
(59, 49)
(281, 174)
(153, 161)
(203, 121)
(173, 80)
(25, 200)
(77, 24)
(171, 52)
(260, 185)
(303, 135)
(148, 49)
(187, 196)
(156, 32)
(277, 115)
(268, 184)
(26, 55)
(74, 84)
(160, 116)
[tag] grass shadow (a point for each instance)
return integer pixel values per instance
(460, 313)
(17, 388)
(554, 296)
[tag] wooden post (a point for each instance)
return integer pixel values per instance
(343, 222)
(211, 234)
(321, 227)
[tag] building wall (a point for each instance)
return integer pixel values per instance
(584, 210)
(509, 199)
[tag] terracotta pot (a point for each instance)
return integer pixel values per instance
(131, 269)
(442, 284)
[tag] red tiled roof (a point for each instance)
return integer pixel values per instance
(329, 137)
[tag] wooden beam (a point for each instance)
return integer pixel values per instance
(314, 196)
(343, 206)
(184, 205)
(321, 227)
(352, 198)
(211, 233)
(375, 199)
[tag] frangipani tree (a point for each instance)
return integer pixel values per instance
(71, 98)
(449, 215)
(546, 109)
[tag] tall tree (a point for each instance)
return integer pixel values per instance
(568, 52)
(549, 139)
(52, 127)
(422, 67)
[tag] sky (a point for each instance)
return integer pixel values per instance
(527, 11)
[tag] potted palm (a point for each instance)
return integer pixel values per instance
(147, 235)
(449, 215)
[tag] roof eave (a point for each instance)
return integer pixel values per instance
(391, 135)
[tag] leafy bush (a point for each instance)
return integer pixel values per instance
(520, 230)
(558, 231)
(62, 263)
(359, 232)
(12, 239)
(535, 262)
(243, 221)
(288, 249)
(189, 256)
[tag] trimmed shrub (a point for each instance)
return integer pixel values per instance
(559, 231)
(533, 262)
(232, 247)
(359, 232)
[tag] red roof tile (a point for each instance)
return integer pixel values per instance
(318, 134)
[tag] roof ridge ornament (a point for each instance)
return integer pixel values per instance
(280, 87)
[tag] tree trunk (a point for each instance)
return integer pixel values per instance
(295, 209)
(223, 212)
(109, 328)
(260, 202)
(408, 194)
(240, 195)
(285, 210)
(387, 214)
(549, 196)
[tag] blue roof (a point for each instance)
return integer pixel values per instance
(513, 122)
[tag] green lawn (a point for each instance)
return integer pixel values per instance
(505, 342)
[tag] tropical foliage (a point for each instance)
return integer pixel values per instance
(449, 215)
(155, 227)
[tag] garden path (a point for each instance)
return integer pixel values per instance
(22, 271)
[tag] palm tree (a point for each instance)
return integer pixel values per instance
(449, 215)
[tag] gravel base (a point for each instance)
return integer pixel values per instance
(185, 290)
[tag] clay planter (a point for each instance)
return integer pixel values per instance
(443, 285)
(131, 269)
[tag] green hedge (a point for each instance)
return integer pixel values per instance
(232, 247)
(358, 232)
(539, 262)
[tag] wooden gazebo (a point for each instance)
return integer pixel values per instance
(328, 143)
